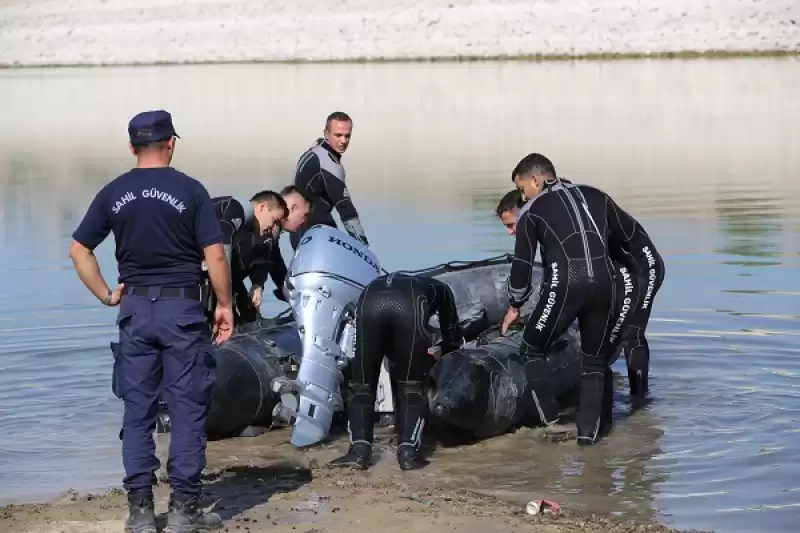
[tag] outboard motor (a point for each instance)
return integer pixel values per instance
(326, 276)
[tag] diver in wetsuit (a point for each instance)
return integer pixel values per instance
(392, 320)
(321, 176)
(641, 274)
(634, 304)
(250, 232)
(570, 222)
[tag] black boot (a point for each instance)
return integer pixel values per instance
(411, 410)
(360, 425)
(637, 379)
(185, 516)
(591, 411)
(358, 455)
(141, 514)
(608, 403)
(638, 369)
(538, 375)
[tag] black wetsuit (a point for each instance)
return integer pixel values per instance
(249, 254)
(571, 223)
(392, 320)
(641, 272)
(321, 176)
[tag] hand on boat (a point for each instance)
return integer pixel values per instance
(256, 294)
(223, 324)
(511, 315)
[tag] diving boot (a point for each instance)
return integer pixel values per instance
(358, 456)
(637, 380)
(360, 425)
(185, 516)
(538, 375)
(411, 407)
(608, 402)
(141, 513)
(592, 402)
(410, 458)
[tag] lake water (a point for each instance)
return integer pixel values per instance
(703, 153)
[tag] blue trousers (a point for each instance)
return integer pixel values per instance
(164, 348)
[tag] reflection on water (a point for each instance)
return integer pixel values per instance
(750, 225)
(677, 144)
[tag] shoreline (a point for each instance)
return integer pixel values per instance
(446, 59)
(280, 489)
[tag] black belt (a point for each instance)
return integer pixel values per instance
(193, 293)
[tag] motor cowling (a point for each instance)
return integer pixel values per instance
(326, 276)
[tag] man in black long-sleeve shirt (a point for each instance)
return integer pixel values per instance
(250, 232)
(321, 176)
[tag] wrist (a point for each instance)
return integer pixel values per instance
(107, 298)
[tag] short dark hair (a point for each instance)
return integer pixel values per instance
(157, 145)
(340, 116)
(510, 201)
(273, 199)
(534, 164)
(292, 189)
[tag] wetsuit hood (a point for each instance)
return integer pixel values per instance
(547, 186)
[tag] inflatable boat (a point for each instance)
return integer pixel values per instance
(290, 369)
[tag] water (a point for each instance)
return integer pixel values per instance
(704, 153)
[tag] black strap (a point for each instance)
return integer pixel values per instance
(192, 293)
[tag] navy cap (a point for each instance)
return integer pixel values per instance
(151, 126)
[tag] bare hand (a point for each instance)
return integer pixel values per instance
(223, 324)
(116, 296)
(511, 315)
(256, 294)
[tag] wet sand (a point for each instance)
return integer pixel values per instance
(265, 485)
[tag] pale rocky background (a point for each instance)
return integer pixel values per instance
(120, 32)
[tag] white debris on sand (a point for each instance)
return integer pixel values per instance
(124, 32)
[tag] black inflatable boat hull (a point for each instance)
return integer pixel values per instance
(483, 389)
(241, 396)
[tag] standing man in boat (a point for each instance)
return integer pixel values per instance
(164, 225)
(636, 292)
(392, 315)
(321, 176)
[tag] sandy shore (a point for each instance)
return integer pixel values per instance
(124, 32)
(264, 485)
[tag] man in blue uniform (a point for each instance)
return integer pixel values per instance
(321, 176)
(164, 227)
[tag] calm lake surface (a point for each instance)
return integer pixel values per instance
(704, 153)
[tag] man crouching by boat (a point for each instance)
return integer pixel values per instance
(250, 230)
(392, 315)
